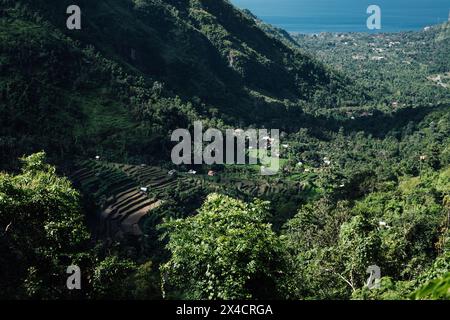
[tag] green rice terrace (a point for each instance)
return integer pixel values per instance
(124, 194)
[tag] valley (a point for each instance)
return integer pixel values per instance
(87, 179)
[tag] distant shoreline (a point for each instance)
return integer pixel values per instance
(307, 28)
(380, 32)
(317, 16)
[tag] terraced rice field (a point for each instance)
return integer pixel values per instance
(125, 194)
(257, 187)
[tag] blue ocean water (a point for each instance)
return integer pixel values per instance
(312, 16)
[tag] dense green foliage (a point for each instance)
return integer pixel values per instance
(88, 103)
(365, 177)
(96, 97)
(401, 229)
(42, 229)
(395, 69)
(435, 289)
(43, 232)
(226, 251)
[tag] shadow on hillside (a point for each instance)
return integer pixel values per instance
(379, 124)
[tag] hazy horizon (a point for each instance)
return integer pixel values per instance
(311, 16)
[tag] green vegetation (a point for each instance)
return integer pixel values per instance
(365, 157)
(45, 233)
(435, 289)
(226, 251)
(405, 69)
(42, 228)
(402, 229)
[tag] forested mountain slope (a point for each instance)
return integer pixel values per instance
(405, 69)
(112, 86)
(202, 48)
(357, 186)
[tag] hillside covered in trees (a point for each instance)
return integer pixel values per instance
(397, 69)
(86, 176)
(145, 67)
